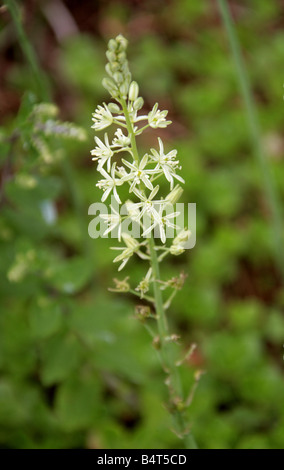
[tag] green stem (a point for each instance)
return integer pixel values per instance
(131, 131)
(146, 297)
(255, 135)
(39, 78)
(168, 357)
(166, 347)
(170, 298)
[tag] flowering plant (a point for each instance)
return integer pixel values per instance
(144, 208)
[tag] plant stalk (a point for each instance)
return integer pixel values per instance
(176, 406)
(40, 81)
(168, 359)
(255, 136)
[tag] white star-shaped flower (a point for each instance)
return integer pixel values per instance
(109, 184)
(138, 174)
(132, 246)
(113, 220)
(120, 139)
(157, 118)
(162, 222)
(103, 152)
(147, 205)
(102, 118)
(167, 163)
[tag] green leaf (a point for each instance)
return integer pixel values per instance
(77, 403)
(45, 318)
(70, 275)
(27, 104)
(27, 189)
(60, 356)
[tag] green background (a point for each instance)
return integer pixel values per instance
(76, 368)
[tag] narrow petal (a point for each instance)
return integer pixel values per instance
(161, 145)
(104, 173)
(179, 178)
(162, 234)
(143, 162)
(130, 165)
(148, 230)
(154, 192)
(123, 264)
(106, 194)
(117, 198)
(147, 182)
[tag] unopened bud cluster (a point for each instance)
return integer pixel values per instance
(117, 68)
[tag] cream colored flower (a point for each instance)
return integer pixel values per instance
(109, 184)
(103, 153)
(102, 118)
(166, 163)
(157, 118)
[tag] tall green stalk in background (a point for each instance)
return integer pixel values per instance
(40, 82)
(255, 136)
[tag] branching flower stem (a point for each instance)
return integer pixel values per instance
(148, 212)
(166, 347)
(167, 356)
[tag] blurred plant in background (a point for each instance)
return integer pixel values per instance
(61, 384)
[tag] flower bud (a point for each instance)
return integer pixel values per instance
(108, 69)
(138, 104)
(114, 66)
(126, 73)
(133, 91)
(127, 78)
(114, 108)
(176, 249)
(182, 237)
(118, 77)
(174, 195)
(112, 44)
(121, 42)
(110, 56)
(109, 84)
(121, 57)
(111, 87)
(124, 89)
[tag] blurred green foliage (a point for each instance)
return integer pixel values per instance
(77, 369)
